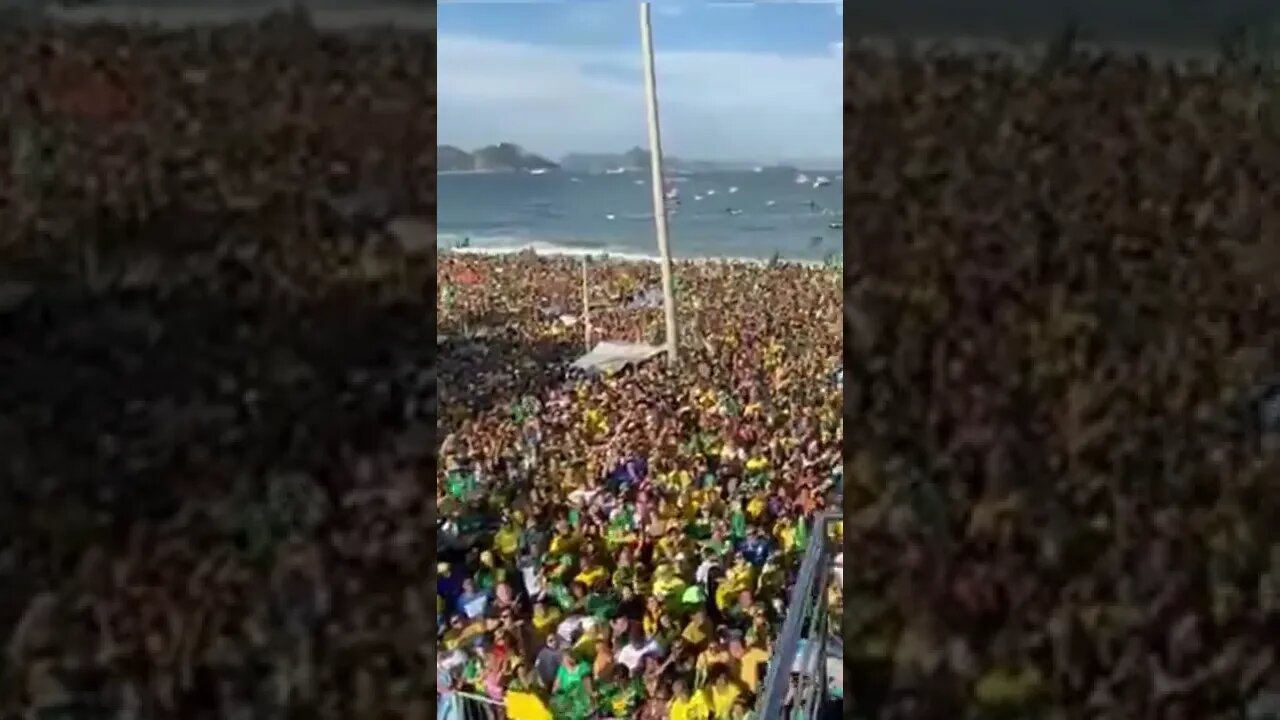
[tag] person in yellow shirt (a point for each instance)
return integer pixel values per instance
(724, 692)
(545, 618)
(699, 629)
(507, 541)
(716, 655)
(752, 661)
(668, 546)
(594, 423)
(565, 540)
(686, 704)
(785, 532)
(741, 576)
(667, 582)
(592, 575)
(653, 613)
(461, 632)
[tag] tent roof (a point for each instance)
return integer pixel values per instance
(610, 357)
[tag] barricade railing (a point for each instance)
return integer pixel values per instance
(797, 676)
(458, 705)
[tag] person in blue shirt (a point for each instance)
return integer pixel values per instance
(448, 587)
(473, 601)
(757, 547)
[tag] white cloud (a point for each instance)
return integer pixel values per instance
(715, 104)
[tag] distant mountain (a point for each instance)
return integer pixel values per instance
(506, 156)
(503, 157)
(452, 159)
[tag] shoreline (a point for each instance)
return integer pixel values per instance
(623, 258)
(477, 172)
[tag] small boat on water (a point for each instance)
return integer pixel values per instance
(757, 169)
(733, 189)
(672, 194)
(771, 203)
(821, 181)
(538, 171)
(697, 197)
(802, 179)
(836, 225)
(615, 171)
(710, 193)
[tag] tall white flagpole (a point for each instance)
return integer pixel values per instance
(659, 195)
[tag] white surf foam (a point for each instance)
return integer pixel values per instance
(502, 245)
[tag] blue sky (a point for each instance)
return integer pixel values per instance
(737, 81)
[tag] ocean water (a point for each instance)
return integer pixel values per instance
(748, 215)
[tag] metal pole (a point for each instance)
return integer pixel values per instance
(586, 307)
(659, 197)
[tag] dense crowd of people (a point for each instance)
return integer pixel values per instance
(1061, 328)
(646, 524)
(216, 420)
(217, 396)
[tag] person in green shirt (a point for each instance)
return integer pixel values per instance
(572, 689)
(619, 694)
(738, 523)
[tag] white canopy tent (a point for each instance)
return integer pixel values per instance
(610, 357)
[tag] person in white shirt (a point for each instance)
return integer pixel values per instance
(632, 654)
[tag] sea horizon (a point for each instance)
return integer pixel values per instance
(730, 214)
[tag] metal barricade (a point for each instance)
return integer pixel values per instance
(457, 705)
(797, 684)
